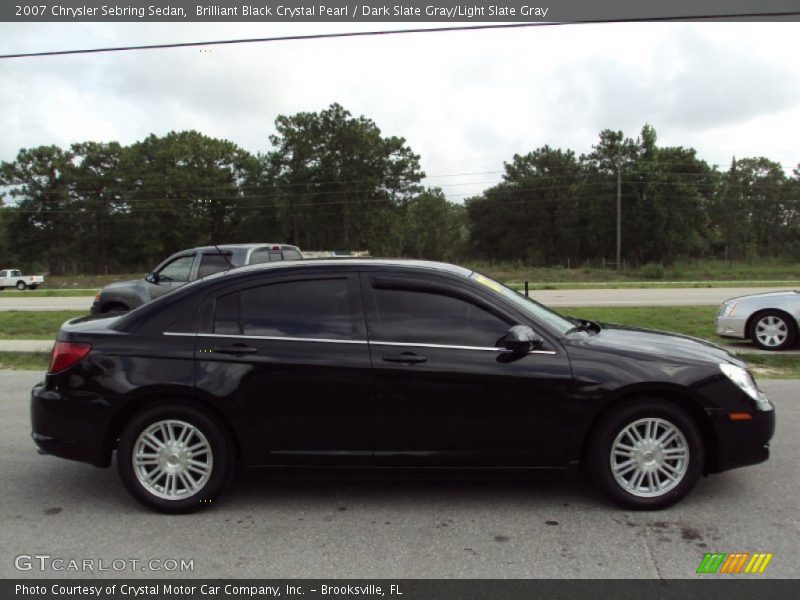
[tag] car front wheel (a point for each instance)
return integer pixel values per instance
(173, 458)
(21, 285)
(773, 330)
(647, 455)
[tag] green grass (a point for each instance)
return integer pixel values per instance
(697, 321)
(699, 272)
(33, 325)
(773, 366)
(25, 361)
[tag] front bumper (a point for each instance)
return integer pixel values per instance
(733, 327)
(69, 427)
(95, 310)
(741, 443)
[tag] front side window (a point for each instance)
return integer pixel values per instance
(177, 270)
(536, 311)
(320, 309)
(423, 317)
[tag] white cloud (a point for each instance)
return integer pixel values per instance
(465, 101)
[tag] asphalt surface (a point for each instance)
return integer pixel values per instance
(583, 297)
(268, 525)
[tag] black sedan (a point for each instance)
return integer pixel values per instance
(388, 364)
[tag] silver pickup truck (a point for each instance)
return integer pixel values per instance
(183, 267)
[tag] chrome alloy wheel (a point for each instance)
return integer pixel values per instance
(649, 457)
(771, 331)
(172, 459)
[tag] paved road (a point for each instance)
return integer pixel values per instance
(583, 297)
(268, 526)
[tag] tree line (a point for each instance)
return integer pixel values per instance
(331, 181)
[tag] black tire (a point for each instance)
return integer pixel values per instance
(21, 285)
(221, 459)
(34, 286)
(784, 323)
(602, 439)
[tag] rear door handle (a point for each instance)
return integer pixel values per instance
(405, 357)
(235, 350)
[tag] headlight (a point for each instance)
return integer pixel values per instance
(97, 297)
(729, 309)
(741, 378)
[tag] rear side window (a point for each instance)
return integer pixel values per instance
(424, 317)
(320, 308)
(213, 263)
(259, 256)
(291, 254)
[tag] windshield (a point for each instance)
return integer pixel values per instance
(537, 311)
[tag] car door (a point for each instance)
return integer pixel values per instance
(288, 358)
(446, 393)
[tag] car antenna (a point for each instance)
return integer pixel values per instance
(225, 256)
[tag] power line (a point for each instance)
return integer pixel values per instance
(353, 34)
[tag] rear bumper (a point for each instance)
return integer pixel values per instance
(69, 428)
(742, 443)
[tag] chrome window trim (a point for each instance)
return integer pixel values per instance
(332, 341)
(452, 347)
(268, 337)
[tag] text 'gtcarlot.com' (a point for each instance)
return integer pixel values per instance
(46, 562)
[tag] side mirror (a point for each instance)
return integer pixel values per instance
(521, 338)
(151, 278)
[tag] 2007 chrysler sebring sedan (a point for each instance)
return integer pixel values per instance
(388, 364)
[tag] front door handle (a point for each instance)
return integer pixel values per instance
(406, 358)
(235, 350)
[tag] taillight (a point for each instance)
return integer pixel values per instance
(66, 354)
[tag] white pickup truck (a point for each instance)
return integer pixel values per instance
(15, 278)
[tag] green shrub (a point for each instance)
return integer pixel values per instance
(652, 271)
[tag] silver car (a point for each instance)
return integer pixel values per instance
(770, 320)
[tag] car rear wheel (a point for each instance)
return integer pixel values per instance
(174, 459)
(21, 285)
(646, 455)
(773, 330)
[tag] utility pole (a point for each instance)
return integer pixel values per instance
(619, 212)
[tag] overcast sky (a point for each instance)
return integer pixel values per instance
(464, 101)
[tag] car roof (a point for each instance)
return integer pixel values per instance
(337, 261)
(238, 246)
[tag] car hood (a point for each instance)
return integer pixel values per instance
(119, 286)
(651, 343)
(766, 295)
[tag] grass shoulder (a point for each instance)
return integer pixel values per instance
(34, 325)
